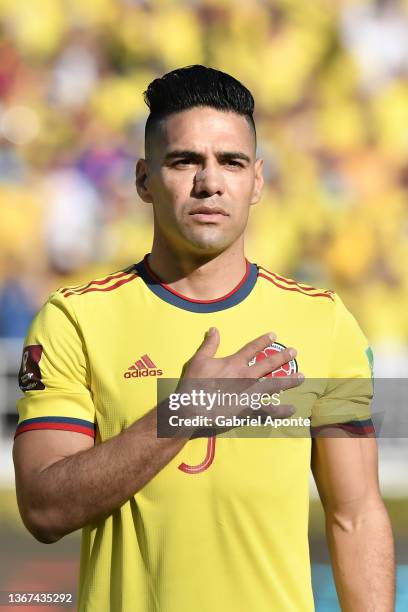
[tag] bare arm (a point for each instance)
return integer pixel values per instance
(357, 525)
(64, 482)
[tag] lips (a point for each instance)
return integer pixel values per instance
(209, 210)
(208, 215)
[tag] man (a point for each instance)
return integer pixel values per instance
(220, 524)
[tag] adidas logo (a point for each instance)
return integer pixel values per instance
(143, 367)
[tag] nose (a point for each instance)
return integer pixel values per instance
(208, 182)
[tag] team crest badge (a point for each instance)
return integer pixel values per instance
(287, 369)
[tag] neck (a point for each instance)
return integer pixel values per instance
(196, 276)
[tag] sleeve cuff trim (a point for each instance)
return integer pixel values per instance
(61, 423)
(361, 428)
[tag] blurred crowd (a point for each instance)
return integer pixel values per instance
(330, 81)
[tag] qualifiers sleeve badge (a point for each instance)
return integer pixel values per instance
(29, 377)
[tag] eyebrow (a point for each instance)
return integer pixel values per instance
(198, 156)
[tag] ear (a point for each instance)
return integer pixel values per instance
(142, 173)
(258, 181)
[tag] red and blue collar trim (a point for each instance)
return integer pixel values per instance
(166, 293)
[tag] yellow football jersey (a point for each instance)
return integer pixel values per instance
(224, 525)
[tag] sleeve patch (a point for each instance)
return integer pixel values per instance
(370, 356)
(29, 377)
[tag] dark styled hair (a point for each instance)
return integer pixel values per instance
(193, 86)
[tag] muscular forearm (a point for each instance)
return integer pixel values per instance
(362, 554)
(84, 487)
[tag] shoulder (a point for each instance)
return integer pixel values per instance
(66, 307)
(288, 286)
(102, 285)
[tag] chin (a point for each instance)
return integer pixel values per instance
(210, 242)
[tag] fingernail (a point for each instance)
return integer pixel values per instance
(301, 376)
(272, 336)
(292, 352)
(211, 331)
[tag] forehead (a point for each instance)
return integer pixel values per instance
(204, 128)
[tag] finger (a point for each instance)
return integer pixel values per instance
(283, 411)
(278, 383)
(249, 350)
(271, 363)
(210, 344)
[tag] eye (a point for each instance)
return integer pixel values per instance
(234, 163)
(183, 162)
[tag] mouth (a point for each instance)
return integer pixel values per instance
(208, 214)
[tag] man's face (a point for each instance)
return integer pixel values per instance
(201, 175)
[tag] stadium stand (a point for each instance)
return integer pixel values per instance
(331, 84)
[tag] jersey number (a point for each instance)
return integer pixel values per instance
(205, 464)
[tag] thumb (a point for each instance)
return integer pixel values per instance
(210, 344)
